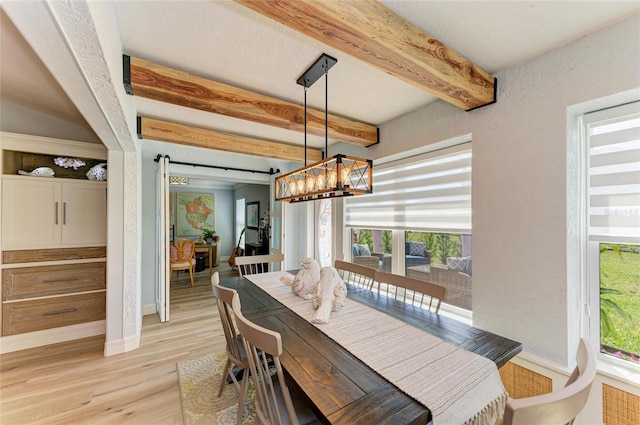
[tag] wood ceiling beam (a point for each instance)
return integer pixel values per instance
(378, 36)
(158, 82)
(164, 131)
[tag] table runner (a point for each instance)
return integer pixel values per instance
(458, 386)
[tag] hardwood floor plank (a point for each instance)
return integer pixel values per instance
(73, 383)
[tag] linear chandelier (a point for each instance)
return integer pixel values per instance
(335, 176)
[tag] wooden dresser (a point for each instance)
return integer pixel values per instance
(53, 241)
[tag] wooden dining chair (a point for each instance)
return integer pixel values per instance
(274, 402)
(356, 274)
(256, 264)
(558, 407)
(182, 257)
(412, 291)
(236, 354)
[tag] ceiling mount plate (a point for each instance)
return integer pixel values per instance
(322, 65)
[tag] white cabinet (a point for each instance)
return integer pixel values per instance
(48, 212)
(84, 213)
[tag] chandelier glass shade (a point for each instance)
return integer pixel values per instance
(333, 177)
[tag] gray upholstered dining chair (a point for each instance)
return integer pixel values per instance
(274, 403)
(356, 274)
(412, 291)
(256, 264)
(235, 349)
(558, 407)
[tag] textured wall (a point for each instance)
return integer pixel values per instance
(521, 287)
(15, 118)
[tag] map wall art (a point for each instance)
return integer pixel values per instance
(195, 212)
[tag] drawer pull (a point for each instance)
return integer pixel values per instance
(53, 313)
(71, 279)
(56, 213)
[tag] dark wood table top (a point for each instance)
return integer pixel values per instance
(343, 389)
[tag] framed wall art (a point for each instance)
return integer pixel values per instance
(195, 212)
(253, 215)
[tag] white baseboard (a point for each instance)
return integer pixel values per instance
(148, 309)
(120, 346)
(24, 341)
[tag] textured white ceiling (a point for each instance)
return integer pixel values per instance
(227, 42)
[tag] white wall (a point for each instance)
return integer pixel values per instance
(521, 285)
(16, 118)
(253, 193)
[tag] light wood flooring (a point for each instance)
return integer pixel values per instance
(73, 383)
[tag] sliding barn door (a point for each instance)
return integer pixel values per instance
(163, 270)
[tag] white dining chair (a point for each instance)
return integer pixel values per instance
(413, 291)
(274, 403)
(558, 407)
(256, 264)
(356, 274)
(235, 350)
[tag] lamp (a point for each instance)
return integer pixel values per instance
(335, 176)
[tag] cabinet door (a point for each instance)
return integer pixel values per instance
(30, 212)
(84, 213)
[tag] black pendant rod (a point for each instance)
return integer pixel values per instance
(245, 170)
(305, 126)
(307, 79)
(326, 112)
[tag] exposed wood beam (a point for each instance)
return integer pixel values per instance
(378, 36)
(192, 136)
(158, 82)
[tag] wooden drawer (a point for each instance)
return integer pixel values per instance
(36, 255)
(31, 282)
(34, 315)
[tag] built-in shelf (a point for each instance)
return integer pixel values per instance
(27, 161)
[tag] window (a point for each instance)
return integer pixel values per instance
(418, 220)
(612, 215)
(239, 221)
(324, 232)
(372, 248)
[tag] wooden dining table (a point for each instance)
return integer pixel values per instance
(343, 389)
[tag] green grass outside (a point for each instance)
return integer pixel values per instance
(621, 271)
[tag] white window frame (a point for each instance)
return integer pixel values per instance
(318, 211)
(610, 365)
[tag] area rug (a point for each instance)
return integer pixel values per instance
(199, 381)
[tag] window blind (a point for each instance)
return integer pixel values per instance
(613, 137)
(430, 192)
